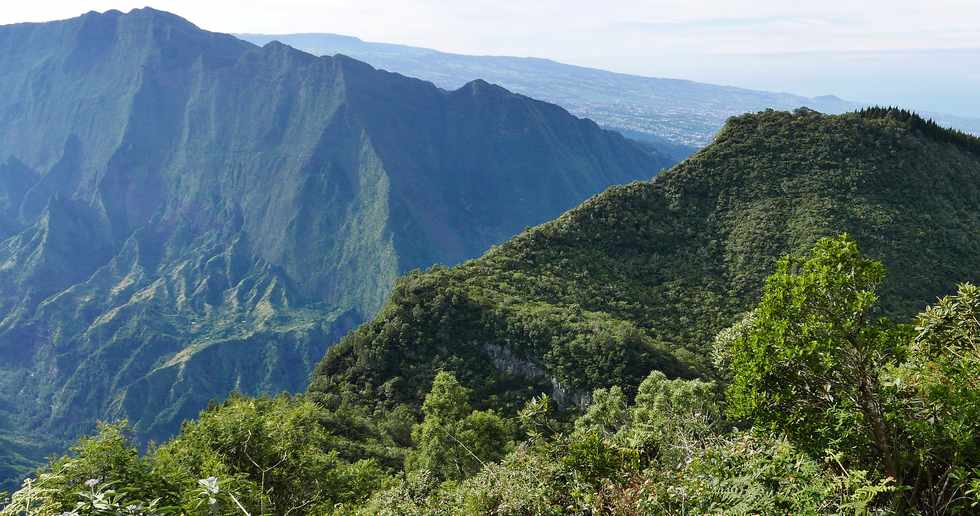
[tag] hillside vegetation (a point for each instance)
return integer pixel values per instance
(828, 409)
(643, 276)
(757, 331)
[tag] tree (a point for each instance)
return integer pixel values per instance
(746, 473)
(275, 453)
(939, 392)
(103, 474)
(814, 363)
(809, 362)
(607, 414)
(674, 417)
(453, 441)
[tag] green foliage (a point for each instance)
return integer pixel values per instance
(938, 391)
(926, 127)
(809, 363)
(275, 453)
(667, 423)
(453, 441)
(260, 456)
(671, 418)
(537, 418)
(613, 308)
(607, 413)
(814, 363)
(104, 475)
(746, 474)
(643, 276)
(669, 450)
(606, 467)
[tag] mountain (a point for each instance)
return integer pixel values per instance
(184, 214)
(637, 278)
(686, 114)
(644, 275)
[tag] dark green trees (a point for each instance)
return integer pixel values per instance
(275, 456)
(643, 276)
(815, 363)
(454, 441)
(938, 394)
(810, 364)
(830, 410)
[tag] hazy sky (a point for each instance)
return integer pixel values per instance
(806, 47)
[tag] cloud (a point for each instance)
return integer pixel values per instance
(721, 24)
(566, 28)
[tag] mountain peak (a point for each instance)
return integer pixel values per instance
(482, 87)
(149, 11)
(340, 177)
(274, 44)
(904, 119)
(699, 241)
(349, 61)
(110, 13)
(141, 12)
(479, 84)
(137, 16)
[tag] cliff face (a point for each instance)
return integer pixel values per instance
(183, 214)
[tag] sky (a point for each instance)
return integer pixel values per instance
(925, 53)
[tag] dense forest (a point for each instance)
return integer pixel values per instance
(786, 323)
(819, 406)
(644, 275)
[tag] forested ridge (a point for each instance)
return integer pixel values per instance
(644, 275)
(785, 323)
(817, 406)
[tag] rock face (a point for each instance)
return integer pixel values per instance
(644, 275)
(184, 214)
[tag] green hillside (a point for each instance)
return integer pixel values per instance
(184, 214)
(591, 364)
(643, 276)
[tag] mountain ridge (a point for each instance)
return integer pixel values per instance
(196, 214)
(441, 403)
(644, 275)
(682, 112)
